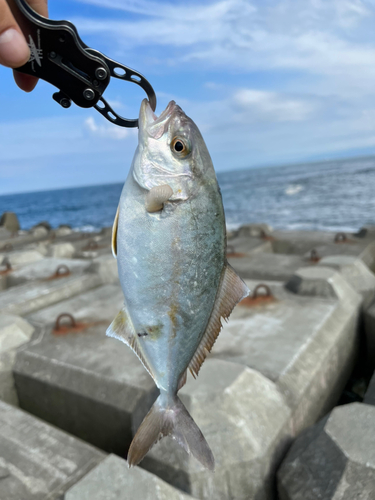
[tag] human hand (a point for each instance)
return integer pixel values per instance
(14, 51)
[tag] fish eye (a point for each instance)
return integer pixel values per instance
(180, 146)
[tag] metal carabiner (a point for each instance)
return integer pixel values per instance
(82, 74)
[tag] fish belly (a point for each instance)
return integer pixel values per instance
(170, 264)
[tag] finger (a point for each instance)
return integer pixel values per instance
(24, 81)
(14, 51)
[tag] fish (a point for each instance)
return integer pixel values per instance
(169, 238)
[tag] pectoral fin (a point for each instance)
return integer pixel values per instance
(114, 233)
(122, 329)
(157, 196)
(231, 291)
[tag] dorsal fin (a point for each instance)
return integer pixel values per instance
(114, 233)
(122, 329)
(231, 290)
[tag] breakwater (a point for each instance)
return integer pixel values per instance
(288, 382)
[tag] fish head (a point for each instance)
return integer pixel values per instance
(170, 151)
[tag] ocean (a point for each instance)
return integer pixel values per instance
(334, 196)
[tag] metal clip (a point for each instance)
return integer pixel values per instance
(81, 74)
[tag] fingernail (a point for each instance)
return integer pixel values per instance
(14, 50)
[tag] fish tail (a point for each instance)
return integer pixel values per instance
(170, 418)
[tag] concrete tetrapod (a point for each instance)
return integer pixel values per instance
(82, 381)
(355, 272)
(113, 480)
(38, 461)
(24, 299)
(245, 420)
(247, 246)
(302, 342)
(333, 460)
(14, 332)
(46, 269)
(267, 266)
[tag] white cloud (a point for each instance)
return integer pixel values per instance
(271, 106)
(107, 131)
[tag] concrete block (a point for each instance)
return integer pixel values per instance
(39, 230)
(267, 266)
(46, 270)
(63, 230)
(245, 420)
(369, 398)
(245, 246)
(255, 230)
(113, 480)
(98, 304)
(24, 299)
(9, 221)
(355, 248)
(106, 267)
(21, 257)
(369, 329)
(61, 250)
(299, 242)
(37, 461)
(4, 233)
(355, 272)
(334, 460)
(14, 332)
(82, 381)
(305, 341)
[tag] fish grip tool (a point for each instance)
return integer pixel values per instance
(82, 74)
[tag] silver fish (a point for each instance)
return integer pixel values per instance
(169, 238)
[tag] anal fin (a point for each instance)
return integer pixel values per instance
(122, 329)
(231, 291)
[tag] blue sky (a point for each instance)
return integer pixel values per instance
(267, 81)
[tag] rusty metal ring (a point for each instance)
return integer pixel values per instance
(340, 237)
(64, 315)
(62, 270)
(259, 287)
(8, 247)
(7, 264)
(314, 256)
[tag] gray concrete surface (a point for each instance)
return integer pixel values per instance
(369, 329)
(106, 267)
(246, 246)
(24, 299)
(37, 461)
(268, 266)
(356, 273)
(255, 230)
(334, 460)
(244, 419)
(21, 257)
(14, 332)
(369, 398)
(82, 381)
(45, 269)
(10, 222)
(299, 242)
(113, 480)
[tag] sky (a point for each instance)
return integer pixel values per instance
(268, 82)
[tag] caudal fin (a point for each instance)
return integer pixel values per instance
(173, 420)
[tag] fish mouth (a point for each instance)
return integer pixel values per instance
(152, 124)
